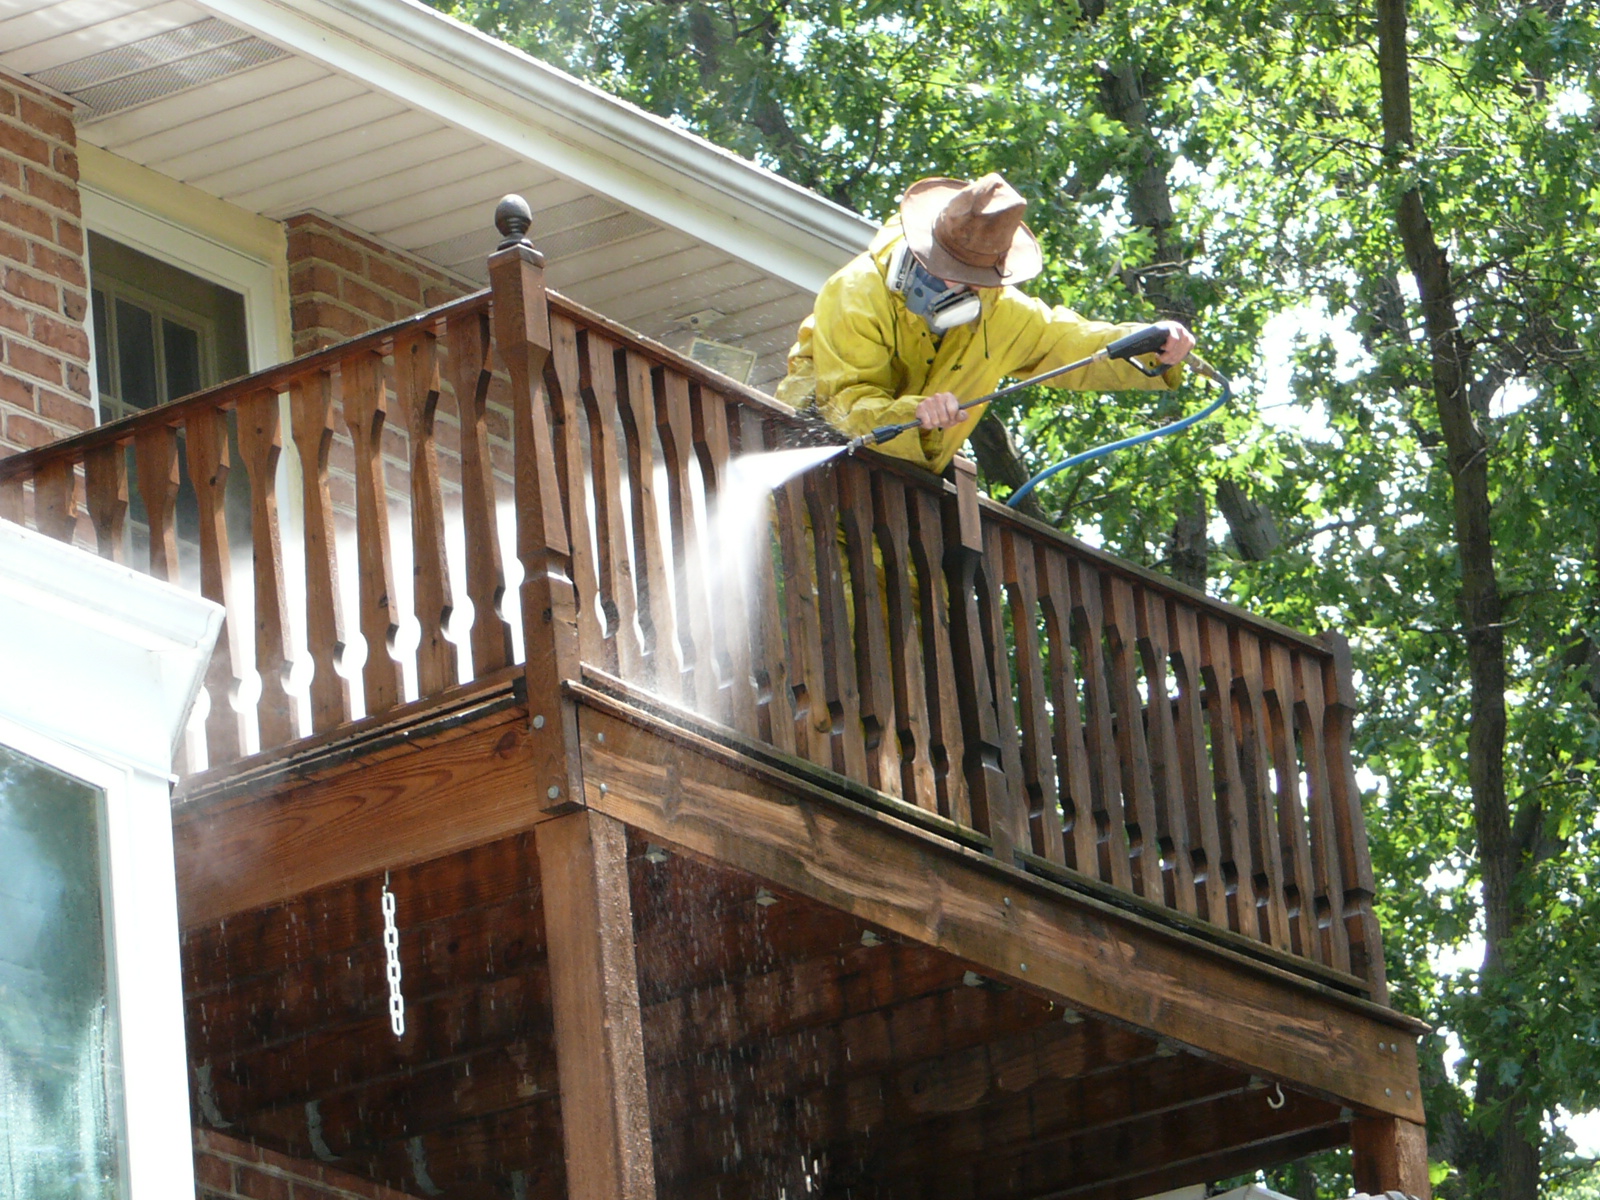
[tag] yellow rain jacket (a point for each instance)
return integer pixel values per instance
(865, 360)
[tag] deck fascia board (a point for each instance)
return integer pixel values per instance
(1089, 954)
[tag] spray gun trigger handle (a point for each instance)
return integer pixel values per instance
(1152, 339)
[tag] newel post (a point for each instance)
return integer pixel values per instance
(548, 599)
(583, 863)
(995, 809)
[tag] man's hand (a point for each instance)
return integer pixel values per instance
(942, 410)
(1179, 342)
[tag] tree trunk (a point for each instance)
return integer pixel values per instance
(1501, 1150)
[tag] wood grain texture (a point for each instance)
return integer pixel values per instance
(416, 372)
(55, 500)
(976, 909)
(467, 343)
(208, 471)
(105, 474)
(260, 445)
(311, 419)
(364, 395)
(1390, 1154)
(842, 690)
(446, 793)
(595, 995)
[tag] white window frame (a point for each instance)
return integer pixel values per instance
(181, 247)
(119, 643)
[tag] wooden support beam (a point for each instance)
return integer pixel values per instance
(1390, 1155)
(605, 1109)
(468, 782)
(1068, 946)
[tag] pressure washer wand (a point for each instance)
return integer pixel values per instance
(1148, 340)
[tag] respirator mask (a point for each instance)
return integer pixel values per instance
(942, 306)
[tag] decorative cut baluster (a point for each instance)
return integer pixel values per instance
(467, 335)
(562, 381)
(693, 624)
(1233, 804)
(1037, 744)
(1299, 886)
(311, 411)
(1078, 804)
(917, 782)
(1121, 629)
(260, 445)
(1194, 764)
(873, 671)
(365, 397)
(1088, 626)
(105, 473)
(813, 721)
(663, 667)
(1326, 860)
(598, 367)
(208, 471)
(1250, 710)
(945, 745)
(55, 500)
(416, 371)
(1165, 772)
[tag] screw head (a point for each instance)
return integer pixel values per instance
(538, 721)
(554, 791)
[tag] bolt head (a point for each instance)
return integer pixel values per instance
(554, 792)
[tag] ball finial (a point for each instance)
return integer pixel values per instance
(512, 217)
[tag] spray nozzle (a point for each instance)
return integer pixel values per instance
(880, 435)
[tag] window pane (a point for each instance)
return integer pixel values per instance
(136, 355)
(102, 342)
(58, 1086)
(183, 359)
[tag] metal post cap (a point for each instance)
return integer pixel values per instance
(512, 217)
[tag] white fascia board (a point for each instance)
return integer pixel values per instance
(96, 655)
(493, 91)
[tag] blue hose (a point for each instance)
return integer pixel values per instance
(1202, 367)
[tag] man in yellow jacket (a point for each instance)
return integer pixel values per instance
(929, 316)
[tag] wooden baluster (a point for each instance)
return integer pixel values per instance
(1233, 804)
(909, 689)
(260, 445)
(1361, 925)
(1002, 683)
(945, 744)
(820, 488)
(774, 676)
(208, 471)
(674, 426)
(105, 474)
(873, 671)
(1298, 882)
(549, 601)
(1078, 804)
(1015, 556)
(598, 379)
(563, 383)
(1325, 862)
(155, 456)
(11, 503)
(416, 377)
(994, 810)
(1150, 614)
(1099, 728)
(311, 417)
(1133, 753)
(1194, 763)
(365, 396)
(663, 668)
(467, 340)
(813, 721)
(1250, 711)
(55, 500)
(732, 629)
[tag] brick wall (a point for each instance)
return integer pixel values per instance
(44, 372)
(228, 1169)
(342, 284)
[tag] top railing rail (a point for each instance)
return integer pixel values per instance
(1083, 715)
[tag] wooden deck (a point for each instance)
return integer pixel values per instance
(947, 857)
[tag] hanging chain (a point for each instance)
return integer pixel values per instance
(391, 950)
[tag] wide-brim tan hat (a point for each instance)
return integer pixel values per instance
(970, 232)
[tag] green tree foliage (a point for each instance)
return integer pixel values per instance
(1238, 164)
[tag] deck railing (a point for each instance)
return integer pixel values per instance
(1088, 718)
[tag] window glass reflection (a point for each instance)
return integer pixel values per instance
(58, 1087)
